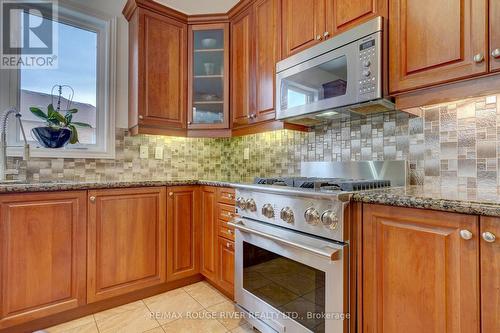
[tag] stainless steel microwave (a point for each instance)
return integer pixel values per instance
(337, 77)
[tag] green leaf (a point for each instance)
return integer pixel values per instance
(72, 111)
(74, 135)
(59, 117)
(76, 123)
(68, 117)
(50, 110)
(39, 113)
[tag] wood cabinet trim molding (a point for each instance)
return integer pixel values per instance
(70, 290)
(153, 6)
(494, 34)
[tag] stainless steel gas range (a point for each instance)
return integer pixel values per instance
(292, 248)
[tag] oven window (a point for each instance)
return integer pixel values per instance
(328, 80)
(291, 287)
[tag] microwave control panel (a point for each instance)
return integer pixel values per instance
(368, 71)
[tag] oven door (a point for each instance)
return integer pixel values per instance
(292, 282)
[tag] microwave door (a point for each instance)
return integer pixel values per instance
(322, 83)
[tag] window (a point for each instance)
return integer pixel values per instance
(85, 47)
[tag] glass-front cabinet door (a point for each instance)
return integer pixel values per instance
(208, 76)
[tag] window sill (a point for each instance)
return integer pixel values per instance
(38, 152)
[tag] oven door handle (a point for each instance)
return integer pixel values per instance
(331, 253)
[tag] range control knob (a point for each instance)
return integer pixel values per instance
(312, 216)
(330, 219)
(366, 63)
(367, 73)
(251, 206)
(241, 203)
(287, 215)
(268, 211)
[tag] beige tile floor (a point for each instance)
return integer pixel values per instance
(198, 308)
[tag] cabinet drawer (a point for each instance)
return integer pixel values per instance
(226, 231)
(225, 212)
(226, 195)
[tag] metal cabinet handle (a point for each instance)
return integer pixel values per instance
(465, 234)
(319, 37)
(141, 117)
(92, 199)
(489, 237)
(190, 122)
(495, 53)
(228, 245)
(171, 194)
(326, 34)
(229, 231)
(478, 58)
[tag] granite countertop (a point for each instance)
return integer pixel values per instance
(48, 186)
(450, 199)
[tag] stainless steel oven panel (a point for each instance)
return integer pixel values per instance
(351, 53)
(336, 283)
(364, 77)
(298, 204)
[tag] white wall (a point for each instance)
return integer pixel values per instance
(114, 8)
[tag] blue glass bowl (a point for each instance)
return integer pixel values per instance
(50, 137)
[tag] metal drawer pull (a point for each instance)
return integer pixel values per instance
(331, 253)
(495, 53)
(489, 237)
(228, 245)
(229, 231)
(92, 199)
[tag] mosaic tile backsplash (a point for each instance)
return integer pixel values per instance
(451, 144)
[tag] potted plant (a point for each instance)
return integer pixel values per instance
(59, 129)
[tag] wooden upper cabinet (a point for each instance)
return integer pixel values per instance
(490, 274)
(303, 23)
(208, 202)
(183, 232)
(494, 35)
(419, 274)
(42, 255)
(344, 14)
(157, 73)
(436, 41)
(127, 241)
(267, 54)
(208, 76)
(241, 68)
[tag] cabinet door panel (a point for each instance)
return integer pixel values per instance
(490, 276)
(42, 255)
(126, 250)
(164, 86)
(421, 56)
(209, 232)
(347, 13)
(302, 22)
(494, 34)
(226, 265)
(182, 232)
(267, 54)
(241, 69)
(416, 265)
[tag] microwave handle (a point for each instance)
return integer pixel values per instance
(328, 252)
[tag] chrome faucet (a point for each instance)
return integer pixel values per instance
(3, 141)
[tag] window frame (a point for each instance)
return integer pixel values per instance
(105, 27)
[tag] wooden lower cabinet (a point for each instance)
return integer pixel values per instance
(225, 274)
(42, 255)
(183, 232)
(126, 241)
(420, 272)
(490, 274)
(208, 204)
